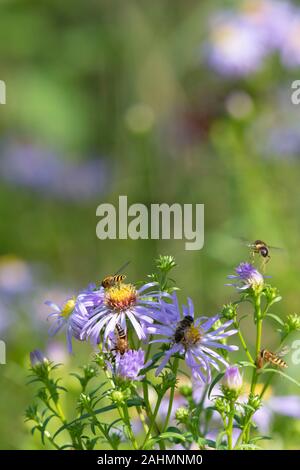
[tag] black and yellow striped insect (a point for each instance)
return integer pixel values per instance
(266, 356)
(110, 281)
(121, 345)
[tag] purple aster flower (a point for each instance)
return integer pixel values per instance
(236, 46)
(127, 366)
(199, 340)
(37, 358)
(120, 303)
(74, 314)
(247, 277)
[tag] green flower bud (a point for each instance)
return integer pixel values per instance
(117, 397)
(222, 406)
(182, 414)
(186, 390)
(229, 312)
(292, 323)
(272, 294)
(254, 401)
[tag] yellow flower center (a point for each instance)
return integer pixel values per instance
(68, 307)
(120, 296)
(192, 335)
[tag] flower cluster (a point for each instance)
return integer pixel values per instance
(96, 314)
(140, 335)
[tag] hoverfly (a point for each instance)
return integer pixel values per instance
(266, 356)
(181, 327)
(121, 344)
(260, 248)
(110, 281)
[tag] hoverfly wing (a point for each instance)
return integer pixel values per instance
(284, 351)
(246, 242)
(275, 248)
(121, 269)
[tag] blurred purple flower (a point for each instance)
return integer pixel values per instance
(57, 352)
(236, 47)
(290, 47)
(15, 276)
(198, 342)
(49, 173)
(286, 405)
(271, 17)
(241, 39)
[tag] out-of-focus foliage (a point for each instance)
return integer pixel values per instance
(108, 98)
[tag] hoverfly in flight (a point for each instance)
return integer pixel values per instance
(110, 281)
(265, 356)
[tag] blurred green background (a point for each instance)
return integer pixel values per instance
(108, 98)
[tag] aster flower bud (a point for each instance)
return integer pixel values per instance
(254, 401)
(186, 390)
(37, 358)
(117, 397)
(232, 382)
(292, 323)
(165, 263)
(229, 311)
(272, 295)
(182, 414)
(222, 406)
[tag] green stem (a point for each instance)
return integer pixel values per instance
(126, 420)
(244, 431)
(230, 425)
(142, 419)
(243, 342)
(153, 418)
(172, 393)
(259, 322)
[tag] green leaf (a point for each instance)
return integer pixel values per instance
(164, 436)
(246, 364)
(202, 442)
(249, 407)
(242, 318)
(216, 379)
(276, 318)
(260, 438)
(105, 409)
(219, 439)
(277, 371)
